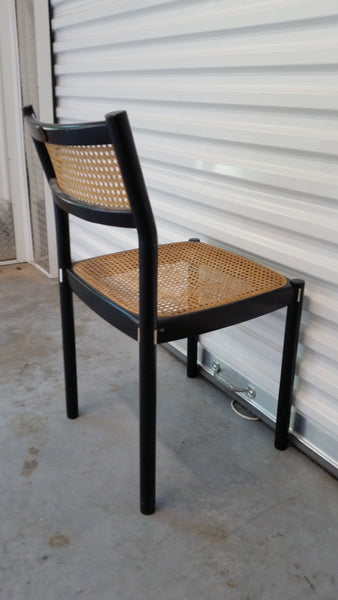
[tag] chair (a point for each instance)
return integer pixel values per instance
(155, 293)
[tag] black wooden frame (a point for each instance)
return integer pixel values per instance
(147, 327)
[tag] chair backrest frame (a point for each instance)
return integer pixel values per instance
(114, 130)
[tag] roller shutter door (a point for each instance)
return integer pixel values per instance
(234, 107)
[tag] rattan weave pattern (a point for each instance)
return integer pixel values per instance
(192, 276)
(90, 174)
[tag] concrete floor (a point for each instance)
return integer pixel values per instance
(236, 518)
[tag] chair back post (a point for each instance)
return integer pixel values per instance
(39, 138)
(127, 157)
(125, 149)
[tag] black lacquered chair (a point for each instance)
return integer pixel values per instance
(154, 293)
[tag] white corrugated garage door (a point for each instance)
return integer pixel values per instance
(234, 107)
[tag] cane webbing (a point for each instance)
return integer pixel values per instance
(90, 174)
(192, 276)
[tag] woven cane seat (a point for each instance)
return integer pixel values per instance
(192, 276)
(90, 174)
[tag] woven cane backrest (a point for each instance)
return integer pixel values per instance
(90, 174)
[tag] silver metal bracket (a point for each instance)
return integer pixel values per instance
(154, 336)
(249, 390)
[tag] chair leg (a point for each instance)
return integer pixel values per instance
(69, 354)
(192, 341)
(67, 312)
(192, 345)
(147, 350)
(291, 336)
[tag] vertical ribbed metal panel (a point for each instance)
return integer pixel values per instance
(234, 107)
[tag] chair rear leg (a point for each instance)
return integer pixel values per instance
(291, 336)
(192, 345)
(147, 349)
(69, 354)
(67, 311)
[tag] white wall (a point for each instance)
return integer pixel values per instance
(234, 109)
(4, 183)
(12, 171)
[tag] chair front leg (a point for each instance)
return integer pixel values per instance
(291, 337)
(147, 349)
(192, 341)
(67, 312)
(69, 352)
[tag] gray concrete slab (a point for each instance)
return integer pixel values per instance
(236, 518)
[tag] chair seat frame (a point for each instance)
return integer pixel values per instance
(146, 327)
